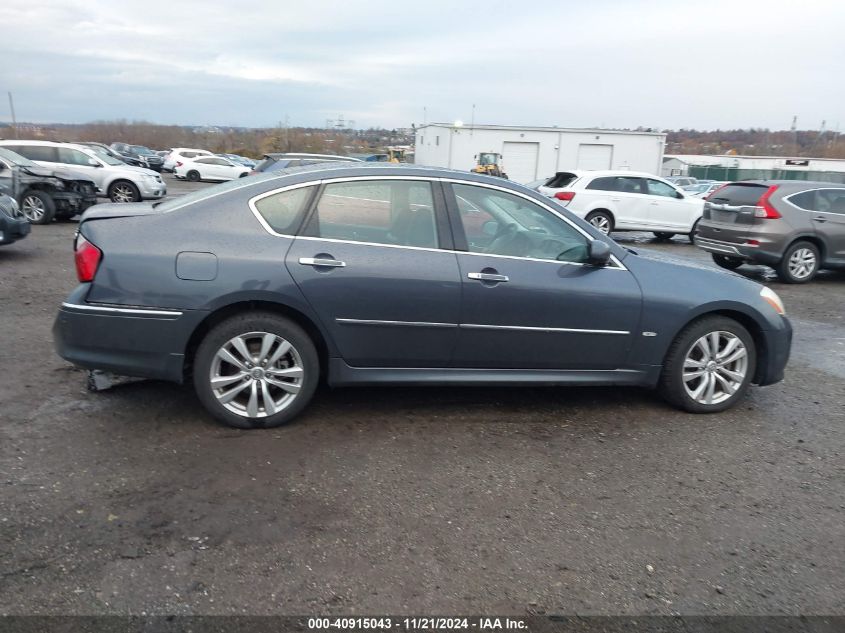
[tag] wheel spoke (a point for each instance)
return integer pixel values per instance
(691, 362)
(269, 404)
(252, 406)
(734, 376)
(730, 347)
(266, 344)
(227, 356)
(740, 353)
(694, 374)
(232, 393)
(696, 395)
(286, 386)
(713, 344)
(711, 387)
(239, 344)
(283, 348)
(224, 381)
(288, 372)
(729, 387)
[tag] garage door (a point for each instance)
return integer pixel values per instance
(591, 156)
(520, 160)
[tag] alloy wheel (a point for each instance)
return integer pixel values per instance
(715, 367)
(601, 223)
(802, 263)
(33, 208)
(256, 375)
(123, 193)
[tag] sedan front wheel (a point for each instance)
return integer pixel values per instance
(709, 366)
(256, 370)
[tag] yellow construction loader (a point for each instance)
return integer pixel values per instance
(395, 155)
(489, 163)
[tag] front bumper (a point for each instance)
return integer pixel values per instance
(13, 229)
(774, 355)
(152, 190)
(125, 340)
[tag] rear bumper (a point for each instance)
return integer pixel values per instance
(743, 251)
(129, 341)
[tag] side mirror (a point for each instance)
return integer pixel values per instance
(679, 195)
(93, 162)
(599, 253)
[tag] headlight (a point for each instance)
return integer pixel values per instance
(772, 298)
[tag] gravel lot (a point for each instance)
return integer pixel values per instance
(481, 500)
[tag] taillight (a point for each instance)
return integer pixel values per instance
(764, 208)
(565, 196)
(87, 257)
(178, 163)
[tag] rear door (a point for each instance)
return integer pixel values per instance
(826, 208)
(375, 262)
(626, 198)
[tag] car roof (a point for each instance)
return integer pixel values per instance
(586, 173)
(783, 183)
(306, 155)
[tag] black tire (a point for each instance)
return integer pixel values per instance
(193, 175)
(694, 231)
(38, 207)
(663, 235)
(729, 263)
(304, 354)
(601, 219)
(123, 191)
(672, 385)
(799, 264)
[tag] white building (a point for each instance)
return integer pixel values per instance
(679, 164)
(530, 153)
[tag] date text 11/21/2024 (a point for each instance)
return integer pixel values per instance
(417, 624)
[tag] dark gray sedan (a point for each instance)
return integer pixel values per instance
(380, 274)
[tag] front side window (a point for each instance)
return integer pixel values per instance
(72, 156)
(283, 211)
(499, 223)
(398, 212)
(657, 188)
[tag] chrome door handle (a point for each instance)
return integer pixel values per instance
(615, 199)
(820, 219)
(317, 261)
(654, 204)
(487, 277)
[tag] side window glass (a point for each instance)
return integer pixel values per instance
(511, 225)
(657, 188)
(805, 200)
(72, 156)
(395, 212)
(283, 211)
(830, 201)
(603, 184)
(629, 184)
(37, 152)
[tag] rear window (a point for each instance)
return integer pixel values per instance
(562, 179)
(739, 194)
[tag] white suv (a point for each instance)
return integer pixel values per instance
(181, 154)
(626, 201)
(115, 179)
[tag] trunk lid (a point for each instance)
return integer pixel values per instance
(122, 210)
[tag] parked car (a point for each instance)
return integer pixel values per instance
(43, 194)
(682, 181)
(702, 189)
(180, 154)
(214, 168)
(626, 201)
(275, 162)
(147, 157)
(102, 148)
(794, 226)
(306, 284)
(240, 160)
(536, 184)
(114, 179)
(13, 225)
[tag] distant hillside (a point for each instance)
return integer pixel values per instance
(757, 142)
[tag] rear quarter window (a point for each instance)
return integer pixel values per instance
(36, 152)
(739, 195)
(283, 211)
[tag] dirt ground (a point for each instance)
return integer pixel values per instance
(417, 501)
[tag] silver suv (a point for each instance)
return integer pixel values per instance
(796, 227)
(114, 179)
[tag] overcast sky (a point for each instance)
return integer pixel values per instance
(706, 64)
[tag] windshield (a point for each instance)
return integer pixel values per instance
(15, 159)
(143, 151)
(105, 156)
(488, 159)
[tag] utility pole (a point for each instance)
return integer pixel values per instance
(14, 120)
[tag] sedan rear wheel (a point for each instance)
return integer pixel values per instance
(709, 366)
(256, 370)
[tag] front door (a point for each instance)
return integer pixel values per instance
(530, 301)
(369, 262)
(669, 213)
